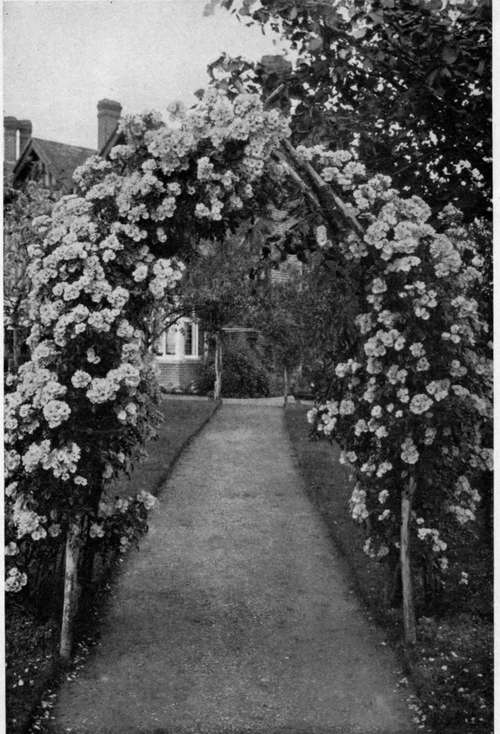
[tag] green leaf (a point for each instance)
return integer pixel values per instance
(276, 64)
(431, 77)
(449, 55)
(332, 18)
(315, 44)
(377, 17)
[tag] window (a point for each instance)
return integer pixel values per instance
(169, 346)
(191, 334)
(165, 344)
(170, 341)
(201, 342)
(189, 342)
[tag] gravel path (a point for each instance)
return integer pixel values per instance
(236, 615)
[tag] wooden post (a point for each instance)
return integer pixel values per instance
(70, 590)
(218, 366)
(15, 350)
(285, 386)
(410, 633)
(392, 592)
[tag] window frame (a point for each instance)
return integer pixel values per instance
(195, 356)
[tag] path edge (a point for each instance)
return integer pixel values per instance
(371, 614)
(159, 485)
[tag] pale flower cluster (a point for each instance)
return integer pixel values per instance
(15, 580)
(416, 358)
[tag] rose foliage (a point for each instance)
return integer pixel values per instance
(413, 392)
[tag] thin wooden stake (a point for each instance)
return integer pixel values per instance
(285, 386)
(70, 590)
(218, 367)
(410, 633)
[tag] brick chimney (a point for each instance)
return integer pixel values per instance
(108, 114)
(25, 129)
(10, 125)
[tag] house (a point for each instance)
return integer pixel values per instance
(179, 355)
(51, 163)
(180, 351)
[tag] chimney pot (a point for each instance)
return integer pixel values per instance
(25, 129)
(9, 136)
(108, 115)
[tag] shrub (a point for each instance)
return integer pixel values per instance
(243, 375)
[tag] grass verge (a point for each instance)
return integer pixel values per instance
(31, 637)
(183, 420)
(452, 664)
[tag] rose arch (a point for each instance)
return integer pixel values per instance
(412, 396)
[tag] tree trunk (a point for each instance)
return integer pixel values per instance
(70, 601)
(300, 370)
(406, 579)
(285, 386)
(15, 350)
(218, 366)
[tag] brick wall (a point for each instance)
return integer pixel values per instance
(177, 375)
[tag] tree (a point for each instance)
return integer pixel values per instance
(218, 290)
(278, 316)
(306, 316)
(411, 80)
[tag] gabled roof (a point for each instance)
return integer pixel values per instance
(60, 159)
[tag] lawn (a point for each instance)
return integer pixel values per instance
(183, 418)
(452, 665)
(31, 636)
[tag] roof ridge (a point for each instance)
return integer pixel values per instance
(67, 145)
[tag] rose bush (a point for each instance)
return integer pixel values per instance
(413, 398)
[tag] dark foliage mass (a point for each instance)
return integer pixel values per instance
(411, 78)
(243, 376)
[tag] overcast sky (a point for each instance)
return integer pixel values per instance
(62, 56)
